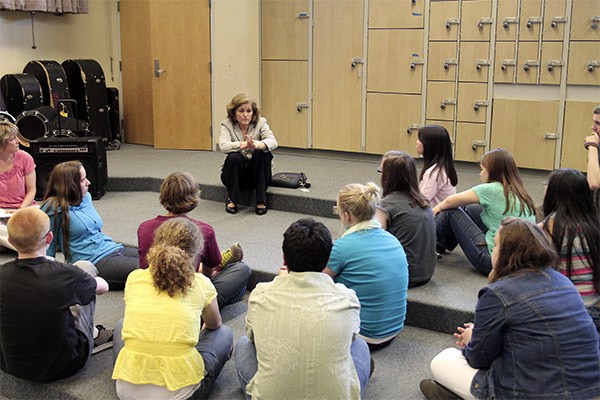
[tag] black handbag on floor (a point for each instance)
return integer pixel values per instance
(291, 180)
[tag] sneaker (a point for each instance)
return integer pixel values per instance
(433, 390)
(231, 255)
(372, 367)
(104, 340)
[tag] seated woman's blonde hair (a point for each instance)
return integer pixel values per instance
(359, 200)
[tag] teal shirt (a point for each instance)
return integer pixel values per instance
(491, 198)
(372, 262)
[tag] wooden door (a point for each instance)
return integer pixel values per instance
(505, 62)
(441, 102)
(528, 62)
(470, 139)
(584, 25)
(395, 14)
(508, 20)
(284, 30)
(337, 74)
(530, 21)
(472, 102)
(443, 61)
(578, 119)
(552, 63)
(444, 23)
(555, 18)
(474, 62)
(584, 58)
(476, 20)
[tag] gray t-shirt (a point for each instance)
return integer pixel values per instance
(415, 229)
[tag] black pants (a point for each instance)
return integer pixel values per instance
(240, 173)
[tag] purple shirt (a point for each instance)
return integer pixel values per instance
(210, 256)
(12, 182)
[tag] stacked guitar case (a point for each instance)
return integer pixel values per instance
(22, 92)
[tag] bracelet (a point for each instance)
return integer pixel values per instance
(593, 144)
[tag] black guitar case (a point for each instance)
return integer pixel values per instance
(53, 80)
(22, 92)
(112, 94)
(88, 87)
(2, 104)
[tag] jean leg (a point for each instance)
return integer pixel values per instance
(246, 363)
(118, 342)
(359, 350)
(474, 212)
(471, 240)
(216, 347)
(443, 231)
(232, 174)
(116, 266)
(83, 318)
(230, 282)
(261, 173)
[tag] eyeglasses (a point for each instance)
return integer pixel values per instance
(379, 170)
(336, 210)
(46, 235)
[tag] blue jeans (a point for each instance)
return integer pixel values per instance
(231, 283)
(215, 346)
(246, 363)
(464, 227)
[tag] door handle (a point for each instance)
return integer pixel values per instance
(509, 20)
(452, 21)
(480, 103)
(300, 106)
(485, 21)
(477, 143)
(553, 64)
(157, 71)
(412, 127)
(557, 20)
(593, 64)
(448, 63)
(595, 21)
(356, 61)
(508, 63)
(550, 136)
(482, 63)
(530, 63)
(533, 20)
(446, 102)
(414, 63)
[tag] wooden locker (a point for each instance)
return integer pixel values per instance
(578, 119)
(442, 61)
(552, 63)
(472, 102)
(283, 99)
(555, 18)
(470, 141)
(392, 122)
(444, 23)
(441, 102)
(527, 129)
(284, 29)
(449, 125)
(585, 20)
(528, 62)
(530, 21)
(395, 61)
(476, 20)
(507, 20)
(584, 63)
(505, 63)
(395, 14)
(474, 62)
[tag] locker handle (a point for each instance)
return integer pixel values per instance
(356, 61)
(533, 20)
(482, 63)
(550, 136)
(530, 63)
(557, 20)
(593, 64)
(303, 15)
(507, 63)
(414, 63)
(300, 106)
(412, 127)
(452, 21)
(553, 64)
(446, 102)
(157, 71)
(448, 63)
(485, 21)
(595, 21)
(477, 143)
(509, 20)
(480, 103)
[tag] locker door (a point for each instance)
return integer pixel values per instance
(527, 129)
(440, 100)
(442, 61)
(530, 21)
(584, 63)
(474, 62)
(555, 17)
(395, 14)
(528, 62)
(392, 122)
(472, 102)
(505, 62)
(578, 119)
(470, 144)
(284, 35)
(507, 20)
(337, 78)
(444, 23)
(395, 60)
(284, 87)
(585, 24)
(552, 63)
(476, 20)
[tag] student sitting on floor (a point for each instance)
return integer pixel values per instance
(46, 306)
(179, 195)
(302, 328)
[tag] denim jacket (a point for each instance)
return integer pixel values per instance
(533, 339)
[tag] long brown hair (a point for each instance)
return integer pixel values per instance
(172, 256)
(399, 174)
(521, 246)
(63, 190)
(437, 150)
(501, 167)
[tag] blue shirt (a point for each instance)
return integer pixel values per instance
(533, 339)
(372, 262)
(86, 240)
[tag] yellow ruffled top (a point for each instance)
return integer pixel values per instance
(161, 332)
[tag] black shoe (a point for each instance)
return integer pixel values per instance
(434, 391)
(261, 210)
(441, 250)
(231, 209)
